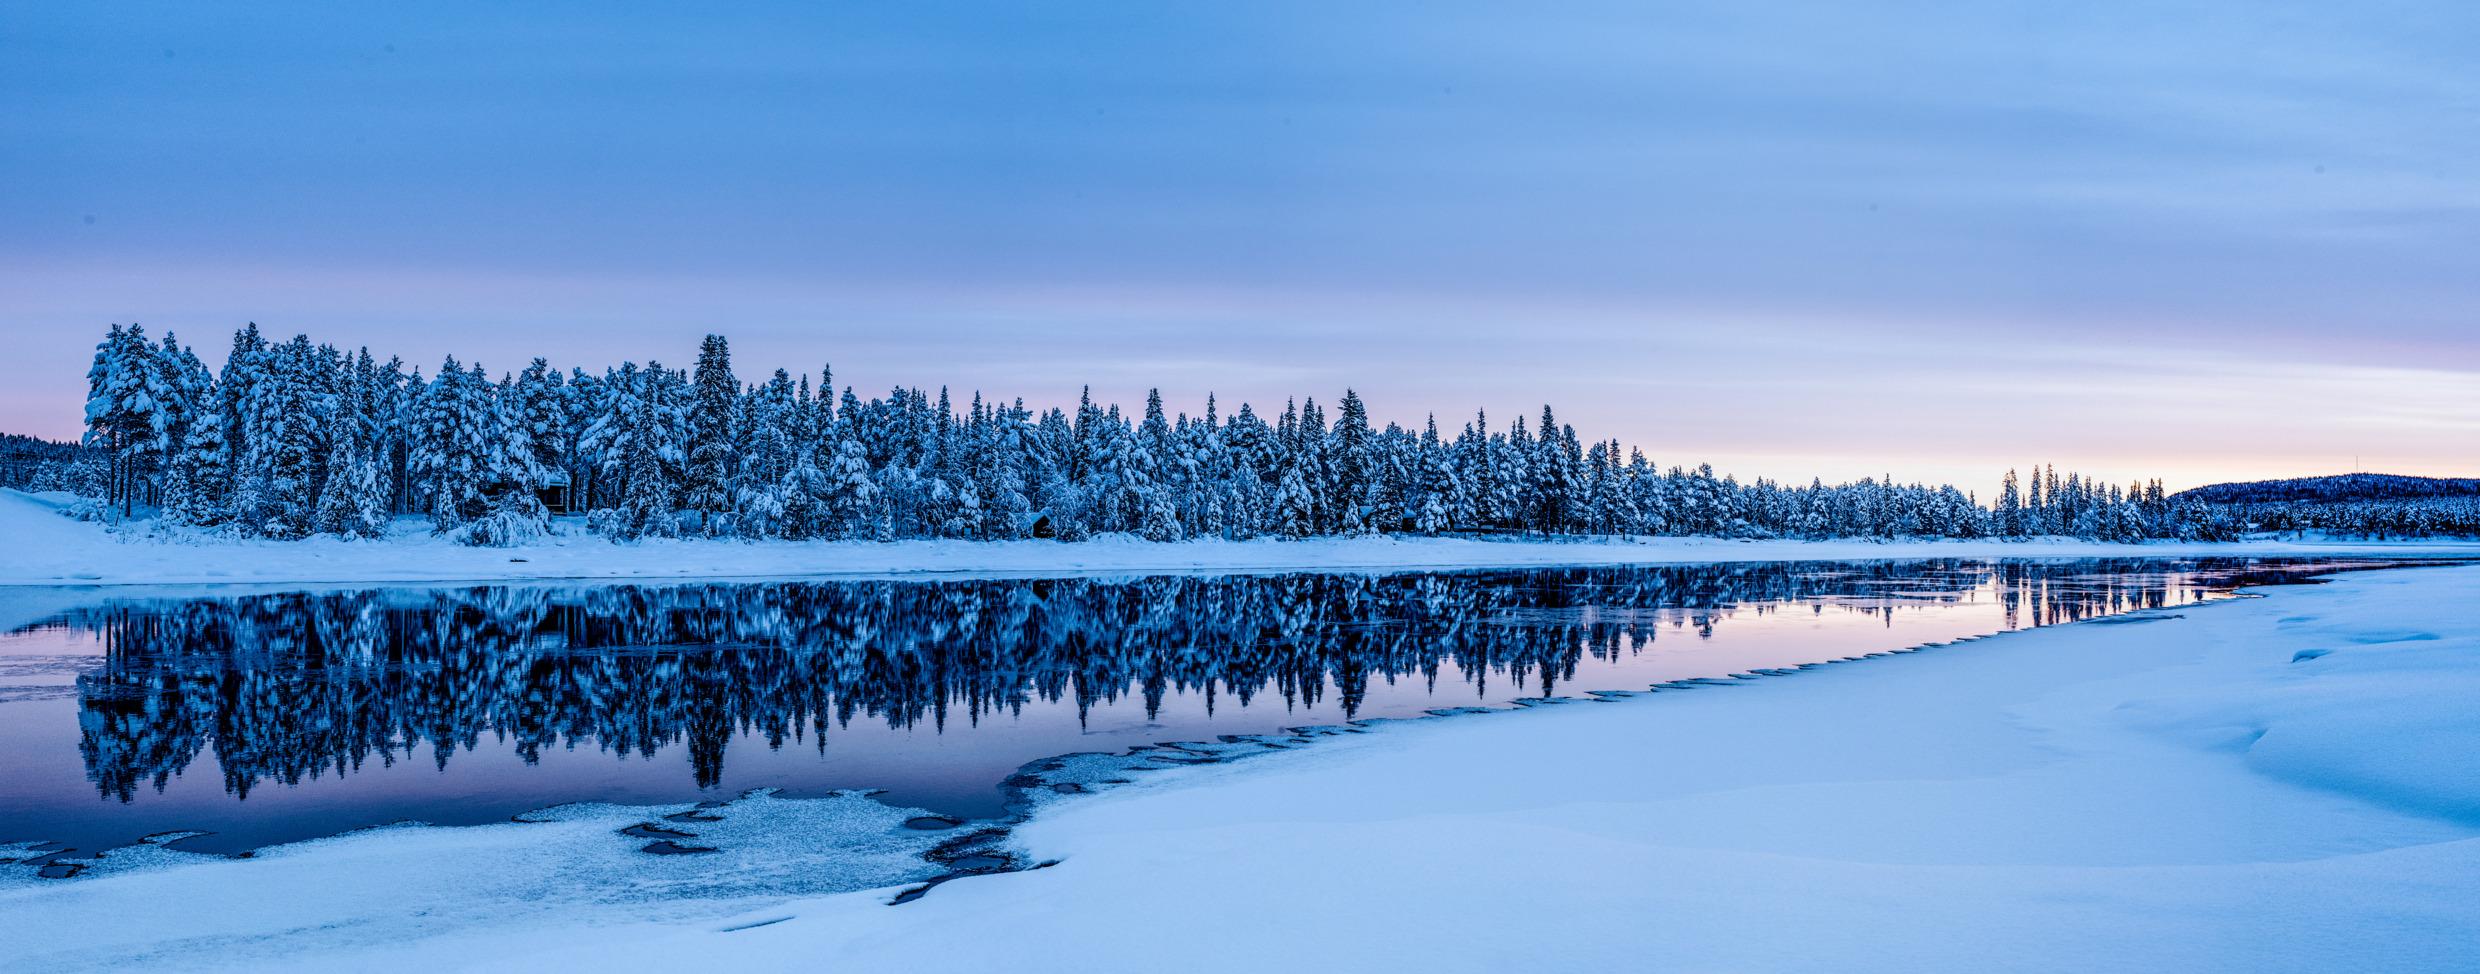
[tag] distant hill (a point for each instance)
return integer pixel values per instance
(2339, 488)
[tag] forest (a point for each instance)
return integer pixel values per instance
(292, 439)
(23, 458)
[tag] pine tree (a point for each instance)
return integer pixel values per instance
(1295, 512)
(353, 503)
(2010, 514)
(287, 465)
(706, 484)
(202, 479)
(1348, 465)
(850, 497)
(1554, 478)
(452, 460)
(998, 473)
(542, 409)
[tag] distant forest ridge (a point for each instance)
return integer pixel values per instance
(23, 457)
(2338, 488)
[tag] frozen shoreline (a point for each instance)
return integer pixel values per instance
(2205, 792)
(2197, 792)
(48, 550)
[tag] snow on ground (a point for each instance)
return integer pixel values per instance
(368, 890)
(46, 549)
(2283, 784)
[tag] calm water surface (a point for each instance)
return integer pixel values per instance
(263, 718)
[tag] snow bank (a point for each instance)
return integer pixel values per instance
(2177, 795)
(365, 892)
(2197, 793)
(46, 549)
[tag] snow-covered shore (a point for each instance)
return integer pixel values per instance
(46, 549)
(2290, 783)
(2283, 784)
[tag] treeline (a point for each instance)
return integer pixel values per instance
(2419, 517)
(2336, 489)
(293, 439)
(34, 463)
(2359, 505)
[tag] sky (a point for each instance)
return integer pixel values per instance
(2196, 241)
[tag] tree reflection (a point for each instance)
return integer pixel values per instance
(293, 686)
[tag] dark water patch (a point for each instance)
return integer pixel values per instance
(649, 830)
(667, 847)
(2392, 636)
(917, 892)
(2131, 620)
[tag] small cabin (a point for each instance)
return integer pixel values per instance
(556, 493)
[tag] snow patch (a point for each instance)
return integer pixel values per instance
(48, 550)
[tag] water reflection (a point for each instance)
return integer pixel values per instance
(283, 689)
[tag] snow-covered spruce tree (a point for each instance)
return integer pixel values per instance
(644, 448)
(354, 502)
(998, 471)
(1349, 481)
(513, 510)
(802, 494)
(849, 497)
(1651, 501)
(1200, 465)
(2010, 513)
(1243, 500)
(1249, 450)
(1149, 496)
(586, 400)
(201, 488)
(188, 392)
(941, 505)
(291, 405)
(1613, 505)
(801, 490)
(542, 410)
(1435, 484)
(354, 499)
(706, 482)
(646, 499)
(450, 461)
(1393, 495)
(1546, 492)
(235, 389)
(772, 422)
(2036, 506)
(1295, 512)
(1514, 459)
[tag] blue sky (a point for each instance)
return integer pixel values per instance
(2202, 240)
